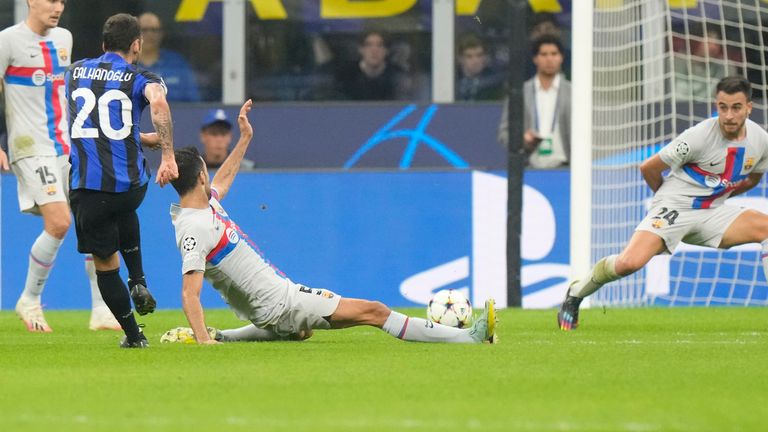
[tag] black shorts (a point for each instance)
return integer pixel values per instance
(100, 217)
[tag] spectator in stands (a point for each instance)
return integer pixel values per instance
(216, 138)
(373, 77)
(547, 114)
(545, 23)
(696, 74)
(170, 65)
(475, 79)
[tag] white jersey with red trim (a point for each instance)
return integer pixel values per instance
(210, 241)
(32, 68)
(706, 167)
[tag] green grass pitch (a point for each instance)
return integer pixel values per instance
(623, 370)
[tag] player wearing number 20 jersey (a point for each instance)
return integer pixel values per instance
(106, 98)
(109, 175)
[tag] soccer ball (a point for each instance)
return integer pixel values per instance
(451, 308)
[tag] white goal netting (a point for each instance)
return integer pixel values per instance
(656, 63)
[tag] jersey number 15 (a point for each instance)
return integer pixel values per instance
(89, 103)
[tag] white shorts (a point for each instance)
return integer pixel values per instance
(702, 227)
(309, 308)
(41, 180)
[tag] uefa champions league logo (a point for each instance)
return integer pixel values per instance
(416, 137)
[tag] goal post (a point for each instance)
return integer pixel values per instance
(650, 69)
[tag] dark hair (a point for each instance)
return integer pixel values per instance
(545, 39)
(469, 41)
(379, 33)
(734, 84)
(190, 164)
(119, 32)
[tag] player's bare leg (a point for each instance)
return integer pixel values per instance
(643, 246)
(56, 221)
(749, 227)
(354, 312)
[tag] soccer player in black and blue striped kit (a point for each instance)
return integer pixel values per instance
(109, 174)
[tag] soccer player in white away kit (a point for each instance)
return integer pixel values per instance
(718, 158)
(212, 246)
(33, 57)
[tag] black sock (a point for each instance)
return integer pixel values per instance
(130, 245)
(132, 259)
(115, 295)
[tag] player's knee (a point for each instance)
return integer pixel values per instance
(58, 226)
(626, 265)
(761, 229)
(377, 311)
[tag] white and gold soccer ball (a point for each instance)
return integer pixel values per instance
(451, 308)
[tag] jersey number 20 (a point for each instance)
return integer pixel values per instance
(89, 103)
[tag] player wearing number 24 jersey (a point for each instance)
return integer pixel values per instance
(109, 174)
(716, 159)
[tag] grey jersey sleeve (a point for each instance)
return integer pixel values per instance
(762, 163)
(679, 152)
(5, 53)
(194, 245)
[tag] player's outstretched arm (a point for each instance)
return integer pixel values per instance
(652, 170)
(192, 284)
(161, 119)
(228, 170)
(748, 183)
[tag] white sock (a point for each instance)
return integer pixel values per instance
(764, 257)
(41, 258)
(421, 330)
(97, 302)
(249, 333)
(602, 273)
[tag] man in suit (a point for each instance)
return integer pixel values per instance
(547, 115)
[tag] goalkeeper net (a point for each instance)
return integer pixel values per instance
(655, 65)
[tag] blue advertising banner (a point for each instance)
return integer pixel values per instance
(359, 136)
(395, 237)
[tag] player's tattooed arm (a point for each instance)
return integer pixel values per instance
(652, 170)
(161, 119)
(228, 170)
(161, 115)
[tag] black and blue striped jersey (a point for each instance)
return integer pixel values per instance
(106, 98)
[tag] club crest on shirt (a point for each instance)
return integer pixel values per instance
(712, 181)
(682, 148)
(750, 162)
(189, 243)
(63, 54)
(38, 77)
(232, 235)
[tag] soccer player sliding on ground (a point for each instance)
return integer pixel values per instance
(214, 247)
(713, 160)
